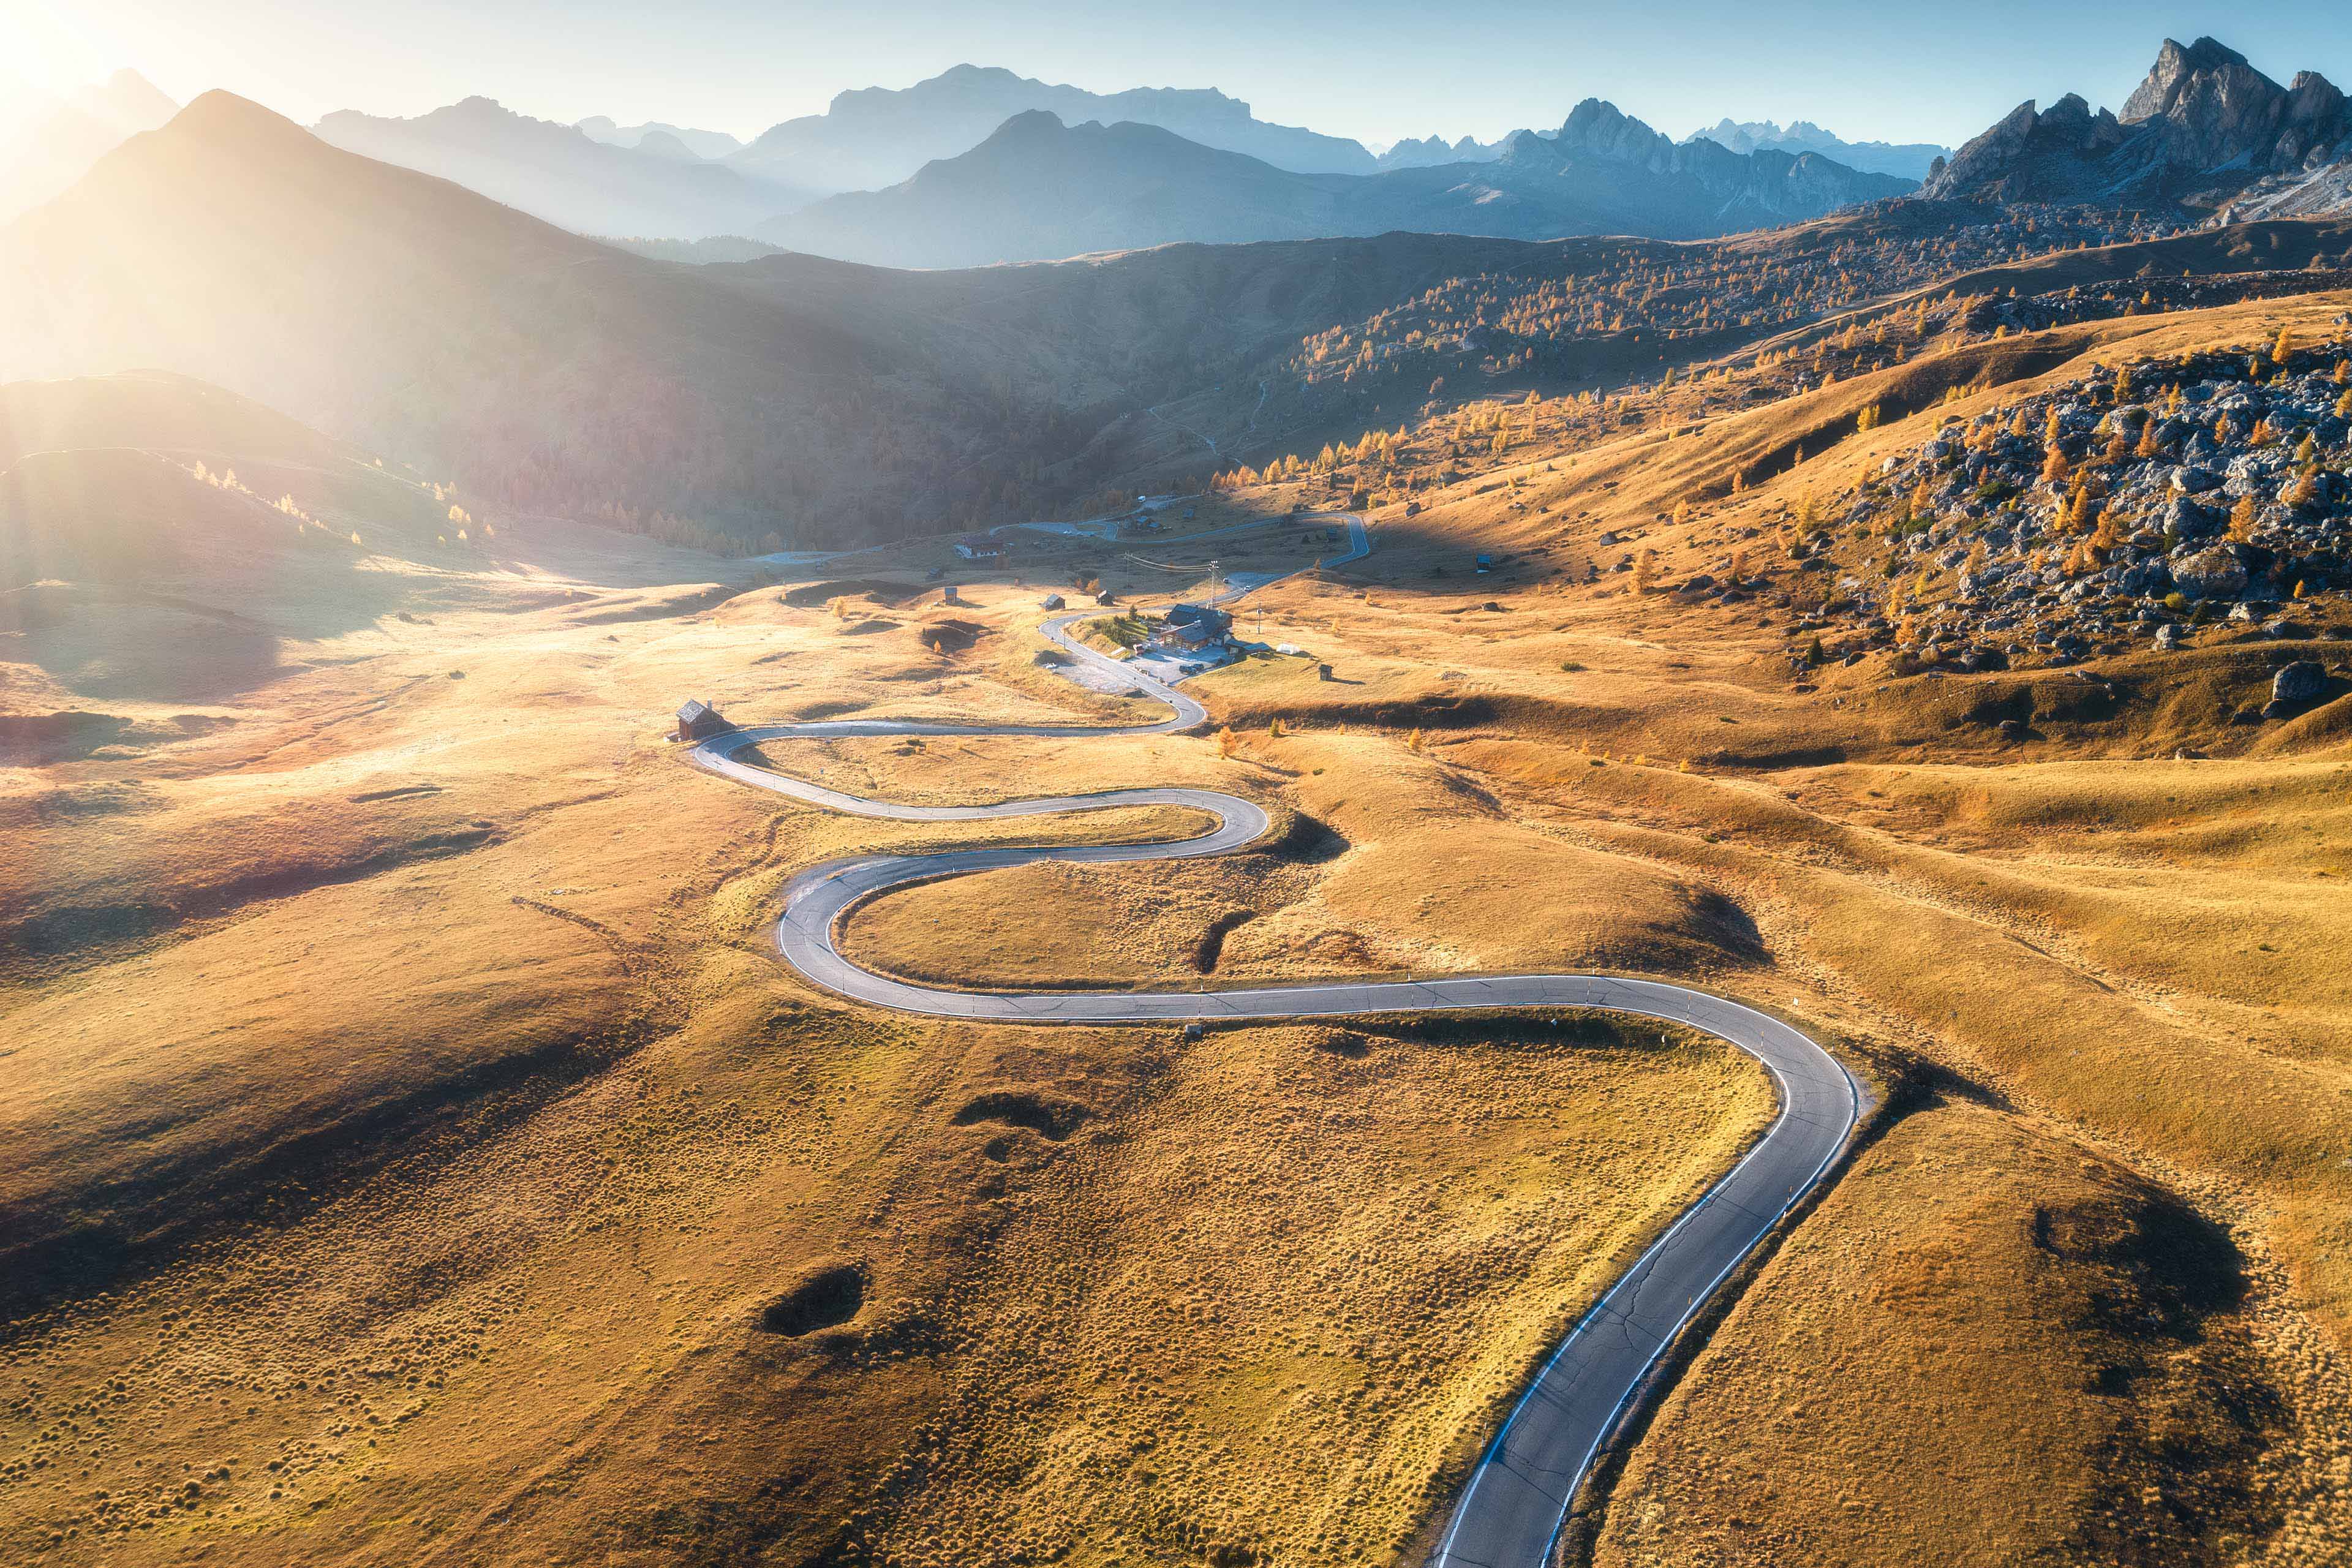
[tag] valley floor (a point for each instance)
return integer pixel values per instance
(412, 1153)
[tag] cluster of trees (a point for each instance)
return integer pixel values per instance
(1393, 464)
(305, 525)
(1599, 289)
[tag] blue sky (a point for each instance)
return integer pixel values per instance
(1376, 69)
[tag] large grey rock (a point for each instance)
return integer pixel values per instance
(2186, 518)
(2298, 682)
(2210, 573)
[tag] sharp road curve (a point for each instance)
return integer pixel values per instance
(1516, 1499)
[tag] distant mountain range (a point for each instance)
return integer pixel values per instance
(878, 136)
(455, 322)
(1429, 150)
(1904, 159)
(1039, 189)
(48, 143)
(979, 165)
(662, 137)
(2205, 133)
(560, 173)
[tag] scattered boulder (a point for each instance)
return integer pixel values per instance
(2298, 682)
(2169, 636)
(2186, 518)
(2214, 573)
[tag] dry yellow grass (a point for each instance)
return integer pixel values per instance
(1266, 1310)
(1994, 1345)
(410, 1134)
(398, 1091)
(1393, 865)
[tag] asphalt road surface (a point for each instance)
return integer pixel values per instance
(1517, 1496)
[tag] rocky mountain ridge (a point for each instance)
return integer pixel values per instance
(2204, 132)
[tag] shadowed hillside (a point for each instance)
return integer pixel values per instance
(785, 402)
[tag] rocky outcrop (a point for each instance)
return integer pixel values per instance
(2194, 500)
(2033, 155)
(2204, 131)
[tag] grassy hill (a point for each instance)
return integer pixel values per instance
(415, 1150)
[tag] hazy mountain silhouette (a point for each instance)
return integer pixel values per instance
(657, 188)
(1425, 151)
(1904, 159)
(697, 144)
(48, 143)
(878, 136)
(1040, 189)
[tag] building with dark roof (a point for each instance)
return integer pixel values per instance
(1193, 626)
(698, 721)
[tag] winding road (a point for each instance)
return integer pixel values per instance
(1517, 1496)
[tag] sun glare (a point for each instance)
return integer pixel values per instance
(50, 51)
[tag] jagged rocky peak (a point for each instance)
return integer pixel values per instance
(2204, 66)
(2213, 107)
(2202, 127)
(1601, 128)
